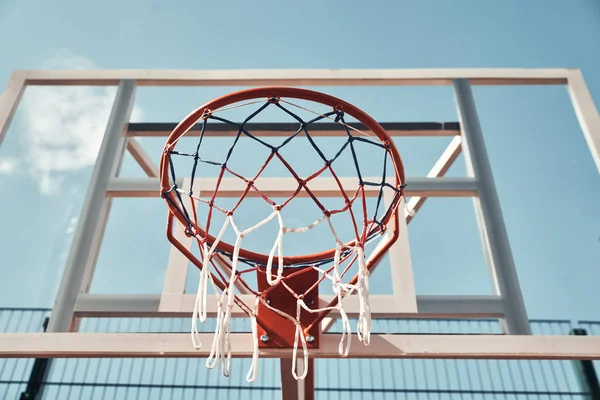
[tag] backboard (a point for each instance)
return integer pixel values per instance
(394, 295)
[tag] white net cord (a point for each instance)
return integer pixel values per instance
(363, 327)
(253, 371)
(217, 351)
(299, 336)
(277, 246)
(201, 295)
(221, 345)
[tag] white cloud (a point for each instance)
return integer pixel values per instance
(7, 166)
(72, 225)
(64, 126)
(67, 59)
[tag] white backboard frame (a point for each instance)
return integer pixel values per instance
(74, 302)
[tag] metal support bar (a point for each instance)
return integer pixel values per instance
(291, 389)
(38, 375)
(278, 129)
(94, 252)
(168, 345)
(142, 158)
(586, 112)
(9, 101)
(301, 77)
(401, 265)
(489, 214)
(440, 169)
(284, 187)
(383, 306)
(586, 373)
(83, 242)
(448, 306)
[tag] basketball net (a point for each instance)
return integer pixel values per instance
(223, 266)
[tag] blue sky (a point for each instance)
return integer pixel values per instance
(545, 175)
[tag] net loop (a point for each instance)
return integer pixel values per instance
(277, 246)
(253, 371)
(363, 328)
(299, 336)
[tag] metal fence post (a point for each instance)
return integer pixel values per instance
(586, 373)
(37, 376)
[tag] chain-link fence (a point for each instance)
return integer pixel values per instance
(334, 378)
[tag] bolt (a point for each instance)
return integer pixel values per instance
(310, 338)
(264, 338)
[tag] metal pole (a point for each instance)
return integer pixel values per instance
(586, 373)
(89, 222)
(489, 214)
(37, 375)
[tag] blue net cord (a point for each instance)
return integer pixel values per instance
(371, 227)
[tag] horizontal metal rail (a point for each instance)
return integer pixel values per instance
(285, 187)
(273, 129)
(133, 345)
(382, 306)
(301, 77)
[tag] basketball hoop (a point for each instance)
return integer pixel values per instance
(285, 312)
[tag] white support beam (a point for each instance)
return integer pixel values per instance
(122, 306)
(489, 214)
(439, 169)
(401, 269)
(301, 77)
(382, 306)
(586, 112)
(442, 306)
(143, 159)
(284, 187)
(94, 212)
(171, 297)
(135, 345)
(9, 101)
(450, 306)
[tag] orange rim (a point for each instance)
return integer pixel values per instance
(295, 93)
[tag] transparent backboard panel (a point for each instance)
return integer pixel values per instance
(46, 161)
(548, 231)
